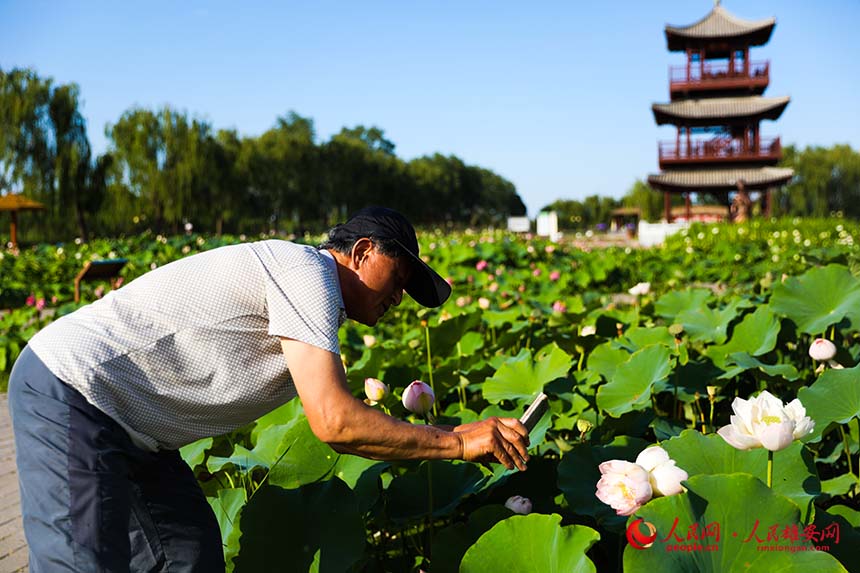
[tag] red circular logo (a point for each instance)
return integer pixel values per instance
(639, 539)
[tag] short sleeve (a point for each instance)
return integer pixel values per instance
(304, 303)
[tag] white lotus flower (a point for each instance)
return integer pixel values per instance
(822, 349)
(519, 504)
(764, 422)
(369, 340)
(664, 475)
(623, 486)
(640, 289)
(588, 330)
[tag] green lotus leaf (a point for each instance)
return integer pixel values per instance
(451, 543)
(578, 475)
(288, 530)
(226, 507)
(674, 303)
(755, 335)
(532, 543)
(362, 475)
(794, 474)
(834, 397)
(452, 481)
(819, 298)
(630, 388)
(738, 362)
(637, 338)
(605, 359)
(522, 376)
(195, 453)
(293, 454)
(743, 512)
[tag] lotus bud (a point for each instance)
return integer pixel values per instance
(375, 390)
(369, 340)
(418, 398)
(713, 391)
(822, 350)
(519, 504)
(588, 330)
(583, 425)
(484, 303)
(665, 477)
(640, 289)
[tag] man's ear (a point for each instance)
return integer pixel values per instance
(360, 251)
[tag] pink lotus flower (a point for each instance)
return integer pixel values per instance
(418, 398)
(623, 486)
(375, 389)
(554, 275)
(481, 265)
(40, 304)
(519, 504)
(536, 273)
(493, 287)
(31, 300)
(559, 306)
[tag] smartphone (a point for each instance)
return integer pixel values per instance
(535, 411)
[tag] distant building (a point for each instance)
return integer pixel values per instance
(716, 106)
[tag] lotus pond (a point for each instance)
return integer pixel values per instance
(635, 347)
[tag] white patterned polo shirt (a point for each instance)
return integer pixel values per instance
(192, 349)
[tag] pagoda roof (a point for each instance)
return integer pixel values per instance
(720, 179)
(705, 111)
(720, 25)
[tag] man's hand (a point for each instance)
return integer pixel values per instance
(503, 440)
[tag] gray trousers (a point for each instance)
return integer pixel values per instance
(93, 501)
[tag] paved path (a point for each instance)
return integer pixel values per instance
(13, 547)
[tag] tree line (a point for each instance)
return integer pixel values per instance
(826, 182)
(164, 169)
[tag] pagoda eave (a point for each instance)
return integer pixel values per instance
(719, 180)
(704, 112)
(719, 30)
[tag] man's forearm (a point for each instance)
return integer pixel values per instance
(370, 433)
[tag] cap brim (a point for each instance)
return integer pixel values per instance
(426, 286)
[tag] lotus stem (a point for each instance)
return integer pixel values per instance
(430, 365)
(770, 469)
(847, 447)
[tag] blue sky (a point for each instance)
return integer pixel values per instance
(554, 95)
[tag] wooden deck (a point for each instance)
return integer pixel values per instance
(13, 547)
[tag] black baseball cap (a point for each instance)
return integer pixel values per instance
(425, 285)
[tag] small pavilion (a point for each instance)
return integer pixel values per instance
(15, 203)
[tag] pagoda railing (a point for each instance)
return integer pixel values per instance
(718, 150)
(718, 75)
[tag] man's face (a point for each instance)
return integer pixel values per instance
(381, 280)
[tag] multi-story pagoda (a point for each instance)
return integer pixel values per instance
(716, 106)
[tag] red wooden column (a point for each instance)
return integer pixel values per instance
(687, 205)
(14, 229)
(667, 207)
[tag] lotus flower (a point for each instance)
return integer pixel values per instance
(588, 330)
(822, 349)
(764, 422)
(484, 303)
(623, 486)
(664, 475)
(418, 398)
(481, 265)
(640, 289)
(519, 504)
(559, 306)
(369, 340)
(375, 390)
(554, 275)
